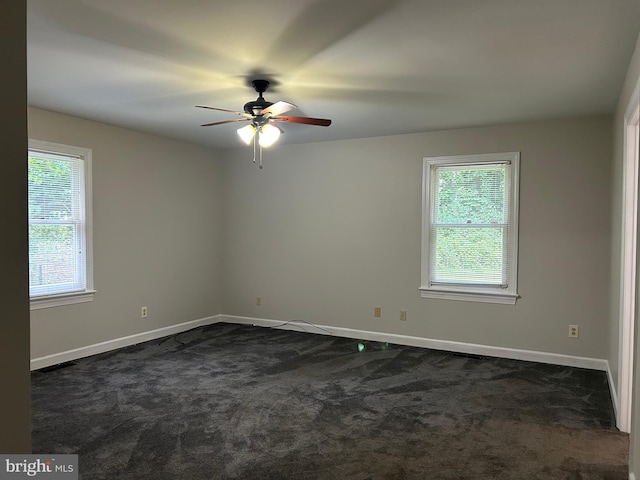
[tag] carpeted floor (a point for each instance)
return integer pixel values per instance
(240, 402)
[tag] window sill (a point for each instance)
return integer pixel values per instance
(61, 299)
(483, 296)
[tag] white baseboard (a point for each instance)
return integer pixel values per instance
(614, 397)
(459, 347)
(116, 343)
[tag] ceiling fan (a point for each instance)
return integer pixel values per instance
(264, 116)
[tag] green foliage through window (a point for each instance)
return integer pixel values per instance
(50, 189)
(469, 223)
(56, 223)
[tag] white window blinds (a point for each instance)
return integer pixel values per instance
(57, 229)
(470, 224)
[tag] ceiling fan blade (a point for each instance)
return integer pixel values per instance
(221, 109)
(225, 121)
(322, 122)
(278, 108)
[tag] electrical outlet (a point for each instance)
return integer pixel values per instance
(377, 311)
(573, 331)
(403, 315)
(258, 301)
(143, 312)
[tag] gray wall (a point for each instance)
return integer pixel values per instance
(156, 226)
(632, 77)
(15, 400)
(329, 230)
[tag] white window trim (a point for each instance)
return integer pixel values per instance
(46, 301)
(500, 295)
(86, 295)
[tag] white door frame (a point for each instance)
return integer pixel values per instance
(628, 292)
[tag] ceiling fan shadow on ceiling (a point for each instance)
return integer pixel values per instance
(264, 116)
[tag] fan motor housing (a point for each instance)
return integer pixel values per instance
(256, 107)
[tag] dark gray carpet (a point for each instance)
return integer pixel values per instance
(241, 402)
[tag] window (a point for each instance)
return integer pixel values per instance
(470, 227)
(60, 247)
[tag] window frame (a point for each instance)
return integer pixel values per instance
(85, 294)
(474, 293)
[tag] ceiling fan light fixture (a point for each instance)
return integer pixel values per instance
(268, 135)
(247, 133)
(264, 117)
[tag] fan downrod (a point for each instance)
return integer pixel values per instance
(255, 108)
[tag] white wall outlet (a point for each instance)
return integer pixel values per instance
(573, 331)
(403, 315)
(377, 311)
(143, 312)
(258, 301)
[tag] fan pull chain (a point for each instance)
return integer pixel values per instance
(255, 146)
(257, 149)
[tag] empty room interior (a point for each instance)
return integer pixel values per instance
(431, 272)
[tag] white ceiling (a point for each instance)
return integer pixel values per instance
(375, 67)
